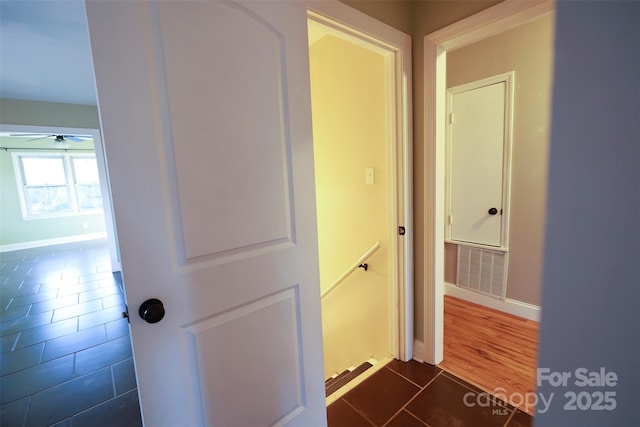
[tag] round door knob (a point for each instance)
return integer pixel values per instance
(152, 310)
(493, 211)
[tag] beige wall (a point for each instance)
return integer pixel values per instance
(527, 50)
(428, 16)
(36, 113)
(348, 99)
(396, 13)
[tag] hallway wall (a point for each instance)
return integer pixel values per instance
(396, 13)
(348, 104)
(428, 16)
(419, 18)
(528, 51)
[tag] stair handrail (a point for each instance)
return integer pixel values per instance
(351, 269)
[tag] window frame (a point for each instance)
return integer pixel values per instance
(70, 184)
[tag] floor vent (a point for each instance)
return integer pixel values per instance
(334, 383)
(482, 270)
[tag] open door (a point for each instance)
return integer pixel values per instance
(205, 110)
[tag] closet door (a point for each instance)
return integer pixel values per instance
(477, 163)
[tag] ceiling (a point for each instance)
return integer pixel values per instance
(44, 51)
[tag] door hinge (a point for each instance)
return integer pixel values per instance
(450, 219)
(125, 314)
(450, 118)
(401, 230)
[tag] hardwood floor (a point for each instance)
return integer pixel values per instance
(491, 349)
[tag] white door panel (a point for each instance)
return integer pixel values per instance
(477, 149)
(239, 65)
(206, 117)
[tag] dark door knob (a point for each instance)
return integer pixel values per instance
(151, 310)
(493, 211)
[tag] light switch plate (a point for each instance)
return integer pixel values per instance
(369, 176)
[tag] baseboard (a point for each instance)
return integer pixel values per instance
(49, 242)
(418, 351)
(517, 308)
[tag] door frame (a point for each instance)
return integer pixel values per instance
(103, 173)
(489, 22)
(355, 24)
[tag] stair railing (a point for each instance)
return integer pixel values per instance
(360, 263)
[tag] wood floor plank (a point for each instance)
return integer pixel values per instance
(490, 349)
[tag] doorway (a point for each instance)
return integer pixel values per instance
(360, 166)
(50, 140)
(490, 22)
(66, 352)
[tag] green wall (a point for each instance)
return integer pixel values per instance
(35, 113)
(13, 228)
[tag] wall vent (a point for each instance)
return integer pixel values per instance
(482, 270)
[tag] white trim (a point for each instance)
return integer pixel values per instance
(510, 306)
(49, 242)
(477, 245)
(418, 350)
(107, 202)
(491, 21)
(397, 46)
(105, 187)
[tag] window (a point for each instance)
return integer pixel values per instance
(87, 184)
(57, 184)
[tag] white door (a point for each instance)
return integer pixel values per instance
(205, 109)
(476, 164)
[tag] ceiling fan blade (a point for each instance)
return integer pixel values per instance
(42, 137)
(74, 138)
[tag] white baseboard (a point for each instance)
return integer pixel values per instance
(517, 308)
(49, 242)
(418, 351)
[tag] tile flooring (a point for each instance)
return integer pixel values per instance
(66, 354)
(415, 394)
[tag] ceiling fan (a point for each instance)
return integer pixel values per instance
(56, 137)
(59, 140)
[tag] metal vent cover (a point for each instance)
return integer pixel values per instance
(482, 270)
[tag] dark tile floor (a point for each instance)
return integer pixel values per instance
(415, 394)
(66, 354)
